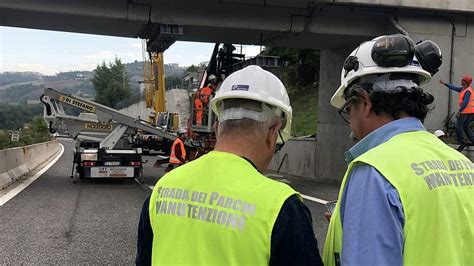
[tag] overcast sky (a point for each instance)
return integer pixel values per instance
(51, 52)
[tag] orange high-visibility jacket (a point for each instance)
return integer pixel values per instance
(470, 105)
(173, 158)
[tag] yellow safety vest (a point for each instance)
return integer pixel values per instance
(435, 184)
(216, 210)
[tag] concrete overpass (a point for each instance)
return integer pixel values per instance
(334, 26)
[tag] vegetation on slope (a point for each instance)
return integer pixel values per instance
(299, 71)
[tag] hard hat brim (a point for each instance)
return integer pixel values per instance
(337, 100)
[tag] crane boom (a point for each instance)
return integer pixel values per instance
(53, 101)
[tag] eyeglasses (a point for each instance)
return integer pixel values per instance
(279, 145)
(345, 110)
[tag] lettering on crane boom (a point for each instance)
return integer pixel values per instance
(77, 103)
(98, 126)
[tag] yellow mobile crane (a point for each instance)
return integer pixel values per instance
(154, 82)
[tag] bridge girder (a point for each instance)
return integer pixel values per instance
(282, 23)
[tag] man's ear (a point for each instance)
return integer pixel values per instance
(272, 135)
(366, 104)
(216, 127)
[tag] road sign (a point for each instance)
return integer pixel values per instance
(15, 137)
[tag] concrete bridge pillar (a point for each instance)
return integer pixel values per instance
(454, 35)
(332, 138)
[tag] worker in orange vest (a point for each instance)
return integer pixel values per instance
(206, 92)
(178, 151)
(198, 110)
(465, 112)
(201, 102)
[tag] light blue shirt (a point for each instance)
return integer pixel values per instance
(371, 211)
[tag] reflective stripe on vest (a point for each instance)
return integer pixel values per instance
(435, 184)
(470, 105)
(173, 158)
(216, 210)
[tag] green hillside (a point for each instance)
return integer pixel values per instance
(305, 112)
(299, 71)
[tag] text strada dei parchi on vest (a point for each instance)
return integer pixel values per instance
(211, 207)
(437, 173)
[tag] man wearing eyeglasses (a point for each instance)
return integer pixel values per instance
(220, 209)
(406, 196)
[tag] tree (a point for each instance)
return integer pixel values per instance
(172, 82)
(111, 84)
(192, 68)
(299, 71)
(34, 132)
(299, 68)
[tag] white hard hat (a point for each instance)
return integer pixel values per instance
(361, 62)
(212, 76)
(254, 83)
(439, 133)
(182, 131)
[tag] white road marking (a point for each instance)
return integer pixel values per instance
(145, 185)
(12, 193)
(321, 201)
(274, 175)
(314, 199)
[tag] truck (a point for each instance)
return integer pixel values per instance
(104, 137)
(110, 144)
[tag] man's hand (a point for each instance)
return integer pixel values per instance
(442, 82)
(457, 114)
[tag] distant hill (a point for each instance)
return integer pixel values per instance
(19, 77)
(19, 87)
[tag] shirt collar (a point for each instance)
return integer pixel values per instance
(382, 134)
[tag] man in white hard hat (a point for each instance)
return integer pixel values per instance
(406, 198)
(220, 209)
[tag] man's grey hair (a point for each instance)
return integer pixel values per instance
(247, 126)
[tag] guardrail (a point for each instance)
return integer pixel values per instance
(20, 161)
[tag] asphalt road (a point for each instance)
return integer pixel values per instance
(54, 221)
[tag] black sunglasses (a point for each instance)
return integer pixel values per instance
(279, 146)
(345, 110)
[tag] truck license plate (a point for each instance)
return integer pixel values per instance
(111, 163)
(112, 172)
